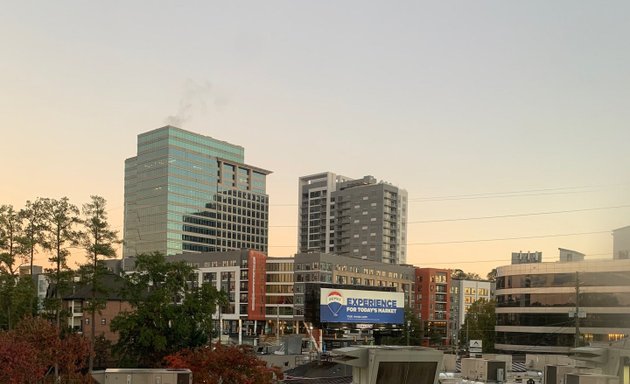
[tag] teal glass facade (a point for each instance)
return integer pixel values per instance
(186, 192)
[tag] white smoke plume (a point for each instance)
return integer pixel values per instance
(195, 99)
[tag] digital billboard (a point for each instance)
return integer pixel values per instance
(355, 306)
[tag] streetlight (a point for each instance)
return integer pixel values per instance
(408, 330)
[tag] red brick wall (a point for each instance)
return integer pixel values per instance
(104, 319)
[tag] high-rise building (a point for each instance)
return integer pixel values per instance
(359, 218)
(315, 225)
(186, 192)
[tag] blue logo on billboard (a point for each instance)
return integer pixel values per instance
(365, 307)
(334, 300)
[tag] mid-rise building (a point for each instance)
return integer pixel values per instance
(186, 192)
(463, 294)
(432, 304)
(76, 308)
(279, 295)
(241, 275)
(327, 268)
(621, 243)
(567, 255)
(359, 218)
(545, 307)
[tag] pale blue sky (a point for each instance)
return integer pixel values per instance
(441, 98)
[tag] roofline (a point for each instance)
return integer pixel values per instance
(253, 168)
(168, 126)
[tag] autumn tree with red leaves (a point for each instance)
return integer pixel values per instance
(18, 362)
(225, 365)
(28, 353)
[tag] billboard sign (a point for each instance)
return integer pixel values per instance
(355, 306)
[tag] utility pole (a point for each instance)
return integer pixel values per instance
(278, 324)
(220, 325)
(577, 309)
(467, 337)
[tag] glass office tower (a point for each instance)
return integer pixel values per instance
(186, 192)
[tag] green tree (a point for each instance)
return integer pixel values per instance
(492, 275)
(10, 228)
(34, 226)
(61, 217)
(169, 312)
(461, 275)
(479, 324)
(436, 338)
(98, 239)
(411, 328)
(16, 294)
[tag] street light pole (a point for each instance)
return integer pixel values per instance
(408, 330)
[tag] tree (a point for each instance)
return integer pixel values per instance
(10, 227)
(34, 225)
(17, 297)
(29, 351)
(479, 324)
(224, 365)
(492, 275)
(169, 313)
(461, 275)
(98, 240)
(60, 216)
(412, 330)
(73, 358)
(18, 364)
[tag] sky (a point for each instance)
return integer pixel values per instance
(478, 109)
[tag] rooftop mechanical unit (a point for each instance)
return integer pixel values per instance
(483, 370)
(143, 376)
(556, 374)
(390, 364)
(585, 378)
